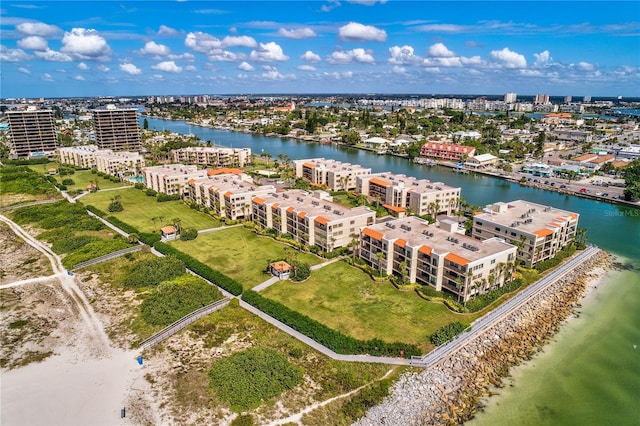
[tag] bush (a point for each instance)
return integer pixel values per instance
(115, 206)
(174, 299)
(324, 335)
(446, 333)
(243, 420)
(68, 182)
(95, 249)
(139, 186)
(189, 234)
(484, 300)
(96, 211)
(150, 192)
(161, 198)
(154, 271)
(566, 251)
(71, 243)
(216, 277)
(300, 271)
(357, 406)
(246, 378)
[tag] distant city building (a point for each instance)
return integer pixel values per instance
(33, 133)
(538, 231)
(437, 256)
(586, 99)
(541, 100)
(171, 179)
(510, 98)
(567, 99)
(213, 156)
(335, 175)
(117, 128)
(446, 151)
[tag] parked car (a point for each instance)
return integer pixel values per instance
(583, 190)
(606, 194)
(546, 182)
(563, 186)
(553, 184)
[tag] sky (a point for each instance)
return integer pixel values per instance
(135, 48)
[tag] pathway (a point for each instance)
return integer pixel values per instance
(31, 280)
(31, 203)
(219, 228)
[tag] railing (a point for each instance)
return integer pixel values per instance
(108, 256)
(183, 322)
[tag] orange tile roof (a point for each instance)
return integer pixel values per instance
(477, 213)
(400, 242)
(290, 209)
(425, 250)
(602, 159)
(301, 215)
(543, 232)
(168, 229)
(258, 200)
(457, 259)
(573, 216)
(281, 266)
(393, 208)
(555, 225)
(228, 194)
(373, 234)
(561, 218)
(321, 220)
(379, 182)
(275, 206)
(619, 164)
(191, 181)
(310, 165)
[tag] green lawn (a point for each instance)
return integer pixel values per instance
(346, 299)
(139, 210)
(240, 253)
(83, 178)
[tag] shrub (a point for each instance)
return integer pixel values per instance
(150, 192)
(96, 211)
(357, 406)
(154, 271)
(300, 271)
(189, 234)
(557, 259)
(139, 186)
(447, 332)
(174, 299)
(161, 198)
(484, 300)
(71, 243)
(115, 206)
(95, 249)
(68, 182)
(247, 378)
(243, 420)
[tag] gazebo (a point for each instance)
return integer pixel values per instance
(280, 269)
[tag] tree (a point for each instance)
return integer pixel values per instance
(351, 138)
(177, 222)
(632, 181)
(145, 124)
(115, 205)
(380, 257)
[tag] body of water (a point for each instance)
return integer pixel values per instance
(591, 374)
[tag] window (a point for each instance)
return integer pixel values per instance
(493, 261)
(497, 228)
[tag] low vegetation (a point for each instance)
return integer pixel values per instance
(565, 252)
(151, 272)
(447, 333)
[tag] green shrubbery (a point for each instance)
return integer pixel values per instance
(23, 180)
(161, 198)
(300, 271)
(176, 298)
(72, 243)
(484, 300)
(561, 255)
(446, 333)
(62, 214)
(152, 272)
(95, 249)
(189, 234)
(357, 406)
(247, 378)
(324, 335)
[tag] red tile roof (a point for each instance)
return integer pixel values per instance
(373, 234)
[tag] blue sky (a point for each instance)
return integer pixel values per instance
(107, 48)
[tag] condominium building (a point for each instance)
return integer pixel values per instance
(311, 218)
(335, 175)
(33, 133)
(117, 128)
(229, 195)
(121, 164)
(510, 97)
(447, 151)
(539, 231)
(171, 179)
(437, 256)
(213, 156)
(80, 156)
(398, 193)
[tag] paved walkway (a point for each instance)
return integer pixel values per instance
(219, 228)
(31, 203)
(33, 280)
(274, 280)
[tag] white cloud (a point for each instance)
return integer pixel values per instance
(167, 31)
(508, 58)
(245, 66)
(306, 68)
(347, 57)
(47, 77)
(268, 52)
(153, 48)
(239, 41)
(33, 43)
(157, 77)
(298, 33)
(367, 2)
(403, 55)
(339, 75)
(104, 68)
(439, 50)
(185, 56)
(130, 69)
(83, 66)
(220, 55)
(331, 4)
(86, 44)
(190, 68)
(309, 56)
(542, 59)
(354, 31)
(167, 66)
(12, 55)
(585, 66)
(53, 56)
(78, 77)
(24, 71)
(272, 73)
(38, 29)
(399, 70)
(202, 42)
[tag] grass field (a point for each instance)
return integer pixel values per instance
(139, 210)
(83, 178)
(239, 253)
(347, 300)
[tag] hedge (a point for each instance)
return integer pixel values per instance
(324, 335)
(216, 277)
(95, 210)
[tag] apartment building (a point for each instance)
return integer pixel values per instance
(399, 192)
(171, 179)
(437, 256)
(117, 128)
(538, 231)
(213, 156)
(335, 175)
(311, 218)
(447, 151)
(80, 156)
(121, 164)
(33, 133)
(229, 195)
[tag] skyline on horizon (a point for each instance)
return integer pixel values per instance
(52, 49)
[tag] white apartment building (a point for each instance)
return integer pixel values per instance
(311, 218)
(437, 256)
(33, 133)
(121, 164)
(229, 195)
(171, 179)
(399, 192)
(335, 175)
(213, 156)
(538, 231)
(80, 156)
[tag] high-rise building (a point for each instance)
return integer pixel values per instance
(568, 99)
(33, 133)
(586, 99)
(541, 100)
(116, 128)
(510, 98)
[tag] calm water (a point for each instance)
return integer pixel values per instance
(591, 376)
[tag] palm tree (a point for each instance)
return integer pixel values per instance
(353, 244)
(177, 222)
(380, 257)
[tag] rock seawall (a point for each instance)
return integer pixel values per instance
(449, 393)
